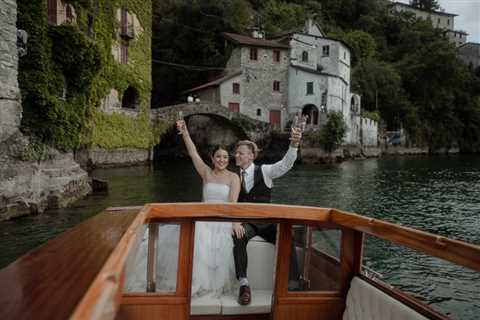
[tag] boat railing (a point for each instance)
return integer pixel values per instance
(353, 228)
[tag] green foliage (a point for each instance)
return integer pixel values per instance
(363, 45)
(371, 115)
(428, 5)
(331, 135)
(70, 69)
(119, 131)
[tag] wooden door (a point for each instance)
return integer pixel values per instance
(234, 106)
(275, 117)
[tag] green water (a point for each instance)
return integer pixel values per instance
(434, 194)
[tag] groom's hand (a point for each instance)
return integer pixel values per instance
(238, 230)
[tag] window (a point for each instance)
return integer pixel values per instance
(253, 54)
(315, 259)
(448, 21)
(438, 21)
(324, 98)
(259, 112)
(326, 51)
(276, 55)
(304, 56)
(52, 11)
(124, 21)
(276, 85)
(309, 88)
(236, 88)
(124, 52)
(69, 13)
(345, 55)
(164, 239)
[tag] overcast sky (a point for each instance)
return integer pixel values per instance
(468, 18)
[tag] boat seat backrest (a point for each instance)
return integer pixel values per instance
(365, 302)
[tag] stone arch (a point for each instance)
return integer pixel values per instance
(207, 131)
(130, 98)
(313, 114)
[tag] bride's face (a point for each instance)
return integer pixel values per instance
(220, 159)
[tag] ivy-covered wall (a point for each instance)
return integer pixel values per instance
(70, 69)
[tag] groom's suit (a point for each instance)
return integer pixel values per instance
(256, 187)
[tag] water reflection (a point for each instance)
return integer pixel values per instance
(438, 194)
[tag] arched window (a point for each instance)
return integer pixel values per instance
(304, 56)
(131, 98)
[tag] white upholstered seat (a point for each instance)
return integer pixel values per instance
(365, 302)
(261, 257)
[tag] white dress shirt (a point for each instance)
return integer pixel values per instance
(271, 171)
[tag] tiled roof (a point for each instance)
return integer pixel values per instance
(254, 42)
(215, 82)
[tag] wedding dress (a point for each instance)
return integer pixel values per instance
(213, 264)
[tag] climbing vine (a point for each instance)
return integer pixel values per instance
(70, 69)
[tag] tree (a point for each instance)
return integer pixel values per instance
(333, 132)
(429, 5)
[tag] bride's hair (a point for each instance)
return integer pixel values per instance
(216, 148)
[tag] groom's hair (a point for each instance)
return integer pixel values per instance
(250, 144)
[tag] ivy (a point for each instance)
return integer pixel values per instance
(69, 70)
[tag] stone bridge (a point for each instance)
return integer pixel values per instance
(252, 129)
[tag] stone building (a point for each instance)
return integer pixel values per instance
(470, 54)
(298, 71)
(255, 81)
(440, 19)
(27, 184)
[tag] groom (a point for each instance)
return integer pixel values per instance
(256, 186)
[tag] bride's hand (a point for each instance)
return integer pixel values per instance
(238, 230)
(181, 127)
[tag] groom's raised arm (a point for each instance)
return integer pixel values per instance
(281, 167)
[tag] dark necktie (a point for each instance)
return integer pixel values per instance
(244, 182)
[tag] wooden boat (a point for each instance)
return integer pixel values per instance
(82, 274)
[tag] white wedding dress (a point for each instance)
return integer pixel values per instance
(213, 264)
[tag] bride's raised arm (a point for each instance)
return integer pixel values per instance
(198, 163)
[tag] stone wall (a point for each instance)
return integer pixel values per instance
(30, 180)
(10, 108)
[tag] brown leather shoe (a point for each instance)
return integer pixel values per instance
(244, 296)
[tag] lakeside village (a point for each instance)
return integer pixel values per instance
(50, 79)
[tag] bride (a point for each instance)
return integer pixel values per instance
(213, 264)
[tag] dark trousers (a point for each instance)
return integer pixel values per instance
(267, 231)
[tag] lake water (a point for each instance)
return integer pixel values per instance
(434, 194)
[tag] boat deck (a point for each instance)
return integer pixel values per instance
(62, 270)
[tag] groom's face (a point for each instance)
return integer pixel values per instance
(243, 156)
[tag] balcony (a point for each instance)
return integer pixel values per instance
(127, 31)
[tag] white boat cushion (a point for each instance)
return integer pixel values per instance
(261, 303)
(207, 304)
(365, 302)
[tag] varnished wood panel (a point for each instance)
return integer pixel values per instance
(321, 311)
(48, 282)
(263, 316)
(235, 211)
(151, 312)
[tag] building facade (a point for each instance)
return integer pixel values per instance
(295, 72)
(470, 54)
(440, 19)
